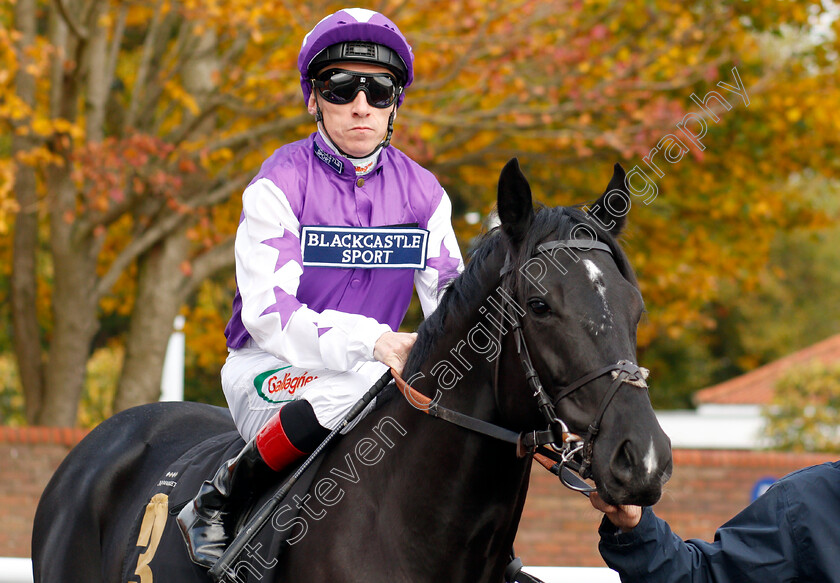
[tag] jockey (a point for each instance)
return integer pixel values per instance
(336, 230)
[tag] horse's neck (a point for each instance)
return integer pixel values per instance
(437, 502)
(453, 466)
(451, 487)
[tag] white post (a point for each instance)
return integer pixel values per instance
(172, 379)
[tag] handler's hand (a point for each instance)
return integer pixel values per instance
(625, 517)
(392, 349)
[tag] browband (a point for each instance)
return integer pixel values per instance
(582, 244)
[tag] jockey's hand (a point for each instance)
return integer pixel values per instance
(392, 349)
(625, 517)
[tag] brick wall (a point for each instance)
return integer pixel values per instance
(28, 457)
(558, 527)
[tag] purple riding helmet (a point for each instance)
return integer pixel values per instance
(355, 35)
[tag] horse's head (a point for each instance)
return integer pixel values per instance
(579, 304)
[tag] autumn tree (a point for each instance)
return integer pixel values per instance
(136, 125)
(131, 122)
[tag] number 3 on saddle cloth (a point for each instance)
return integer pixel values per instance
(158, 546)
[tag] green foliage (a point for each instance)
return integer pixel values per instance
(805, 412)
(103, 370)
(11, 397)
(202, 384)
(205, 342)
(5, 314)
(678, 368)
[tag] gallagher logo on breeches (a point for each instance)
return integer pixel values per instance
(270, 385)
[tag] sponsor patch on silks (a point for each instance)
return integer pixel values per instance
(329, 159)
(367, 247)
(270, 385)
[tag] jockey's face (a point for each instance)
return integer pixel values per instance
(356, 127)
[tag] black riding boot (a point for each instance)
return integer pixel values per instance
(207, 522)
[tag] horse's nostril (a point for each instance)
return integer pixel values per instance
(623, 462)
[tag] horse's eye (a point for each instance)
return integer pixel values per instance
(538, 306)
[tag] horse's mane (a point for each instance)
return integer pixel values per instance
(466, 291)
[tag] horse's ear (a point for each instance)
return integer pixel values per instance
(610, 211)
(516, 210)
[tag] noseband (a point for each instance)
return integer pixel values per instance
(563, 445)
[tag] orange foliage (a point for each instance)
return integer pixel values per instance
(568, 86)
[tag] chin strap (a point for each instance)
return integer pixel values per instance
(387, 141)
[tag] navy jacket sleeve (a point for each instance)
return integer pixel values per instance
(789, 534)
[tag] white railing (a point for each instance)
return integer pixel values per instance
(15, 570)
(574, 574)
(20, 571)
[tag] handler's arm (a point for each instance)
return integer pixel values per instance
(755, 546)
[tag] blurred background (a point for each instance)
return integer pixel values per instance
(129, 130)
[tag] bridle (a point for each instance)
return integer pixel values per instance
(555, 447)
(623, 371)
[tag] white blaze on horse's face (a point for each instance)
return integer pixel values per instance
(650, 459)
(596, 276)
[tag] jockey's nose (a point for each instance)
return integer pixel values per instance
(360, 104)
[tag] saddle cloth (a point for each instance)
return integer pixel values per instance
(157, 552)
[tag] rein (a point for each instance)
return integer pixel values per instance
(562, 444)
(525, 442)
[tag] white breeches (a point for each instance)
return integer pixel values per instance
(256, 384)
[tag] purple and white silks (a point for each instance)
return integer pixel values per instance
(331, 317)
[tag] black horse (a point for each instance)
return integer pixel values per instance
(543, 307)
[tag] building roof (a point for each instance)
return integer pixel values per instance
(756, 387)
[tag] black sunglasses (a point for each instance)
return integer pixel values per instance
(339, 86)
